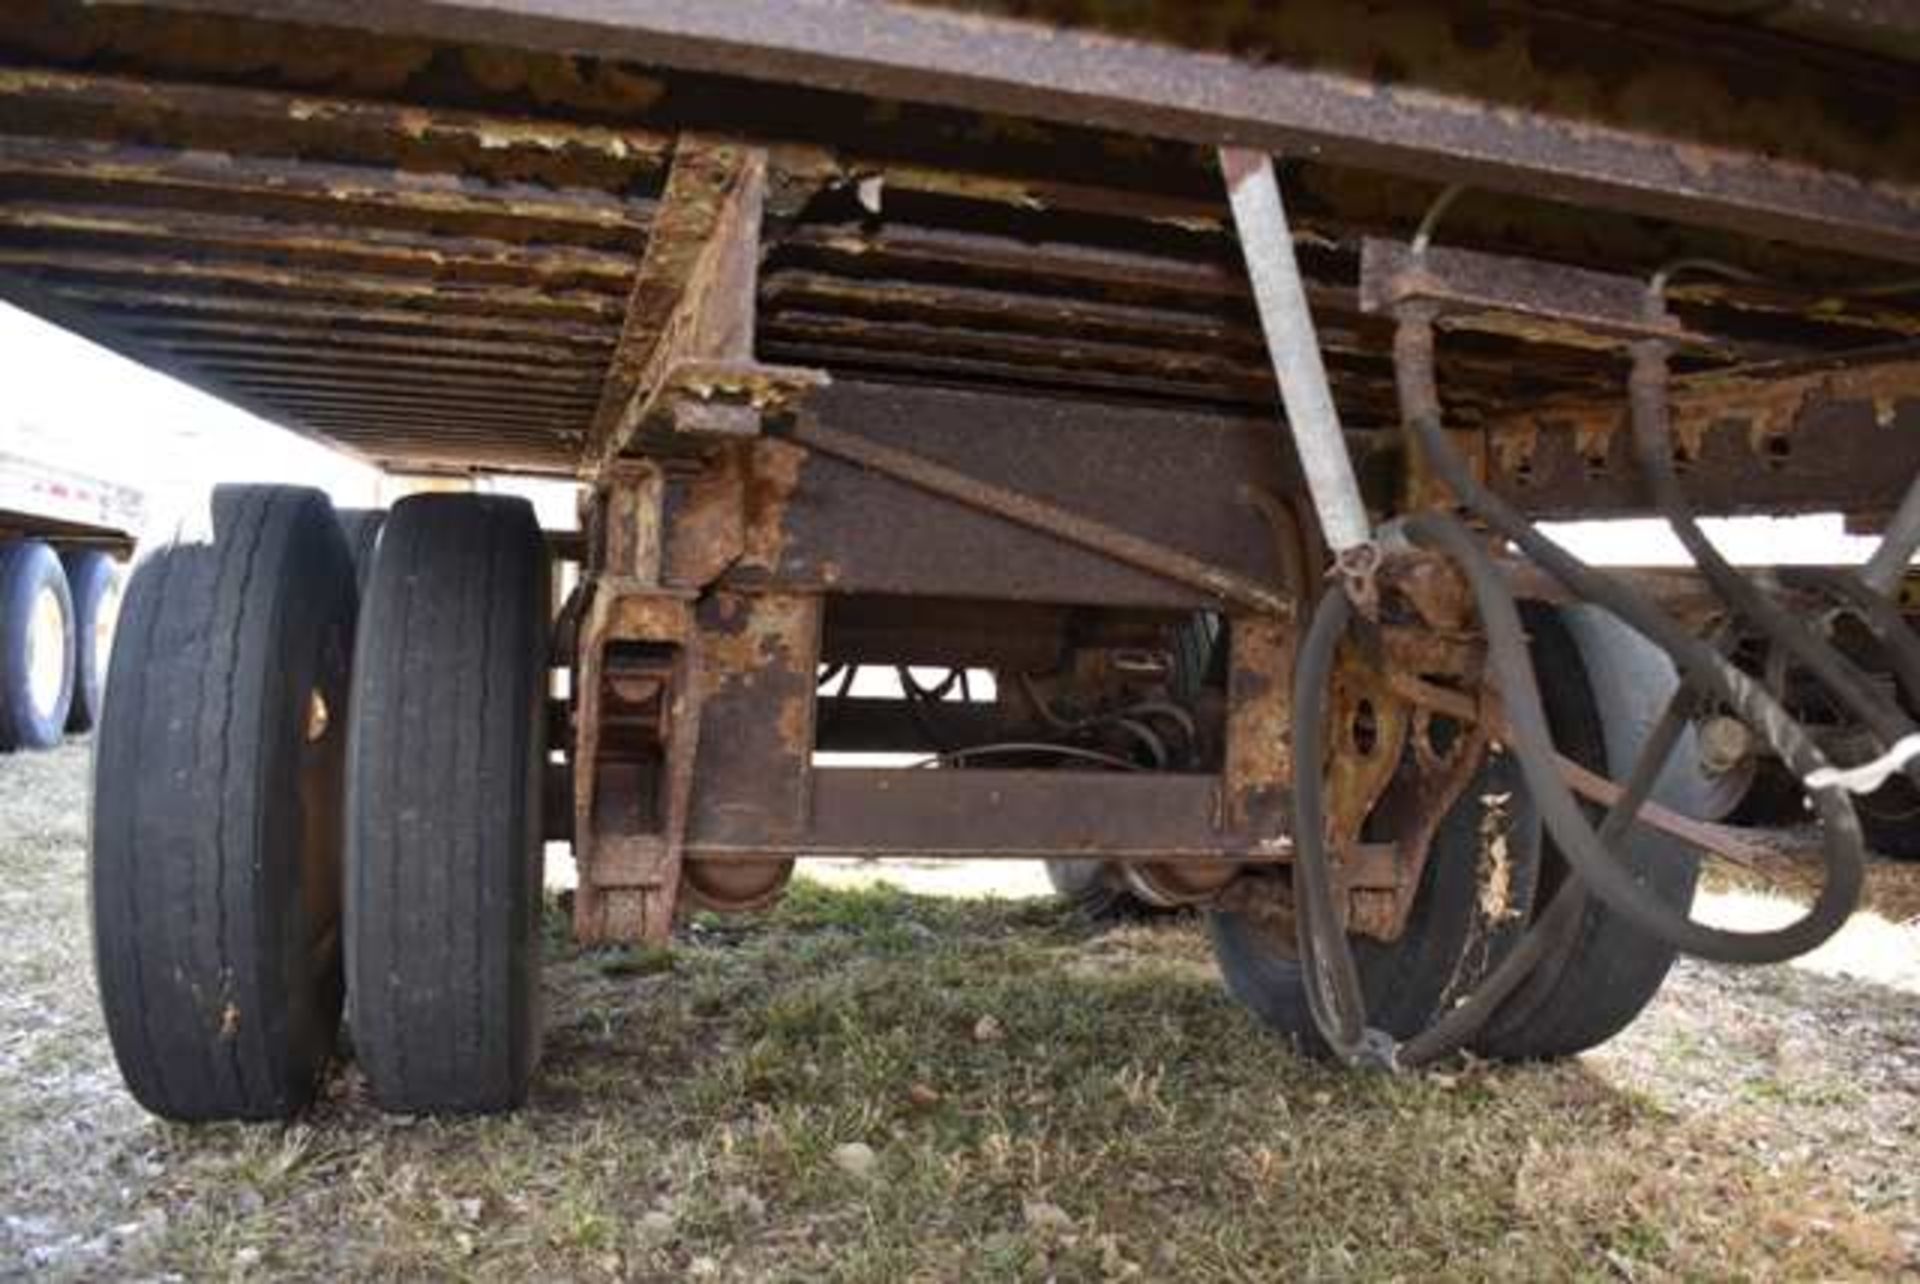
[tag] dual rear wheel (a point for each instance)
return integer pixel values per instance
(303, 795)
(57, 613)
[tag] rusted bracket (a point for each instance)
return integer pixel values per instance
(638, 738)
(682, 376)
(1724, 841)
(1520, 298)
(636, 718)
(700, 404)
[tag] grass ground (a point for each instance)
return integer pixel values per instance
(874, 1085)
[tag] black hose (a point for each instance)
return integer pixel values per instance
(1552, 929)
(1532, 741)
(1882, 617)
(1334, 997)
(1653, 447)
(1700, 664)
(1898, 541)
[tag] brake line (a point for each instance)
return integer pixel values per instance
(1333, 987)
(1331, 977)
(1653, 448)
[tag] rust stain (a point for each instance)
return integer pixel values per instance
(1259, 754)
(773, 478)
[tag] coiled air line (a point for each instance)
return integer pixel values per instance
(1331, 977)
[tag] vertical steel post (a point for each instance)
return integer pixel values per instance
(1294, 348)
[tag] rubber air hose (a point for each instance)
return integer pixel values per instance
(1332, 982)
(1334, 996)
(1653, 449)
(1699, 663)
(1532, 741)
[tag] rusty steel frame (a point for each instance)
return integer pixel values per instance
(1182, 838)
(1837, 433)
(922, 54)
(694, 720)
(694, 723)
(366, 256)
(652, 300)
(1227, 587)
(682, 375)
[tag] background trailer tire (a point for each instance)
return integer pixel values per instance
(444, 794)
(36, 647)
(1100, 890)
(1093, 888)
(216, 840)
(94, 579)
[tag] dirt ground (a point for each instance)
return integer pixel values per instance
(877, 1085)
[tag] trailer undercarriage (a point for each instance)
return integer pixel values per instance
(900, 337)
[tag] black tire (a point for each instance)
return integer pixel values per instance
(1095, 888)
(216, 812)
(94, 580)
(446, 759)
(34, 699)
(1453, 936)
(362, 527)
(1604, 688)
(1889, 816)
(1890, 819)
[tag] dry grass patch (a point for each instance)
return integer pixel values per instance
(870, 1085)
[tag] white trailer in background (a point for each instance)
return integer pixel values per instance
(63, 537)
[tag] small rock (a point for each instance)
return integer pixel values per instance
(987, 1030)
(855, 1159)
(743, 1202)
(1048, 1219)
(246, 1259)
(703, 1268)
(655, 1224)
(1114, 1264)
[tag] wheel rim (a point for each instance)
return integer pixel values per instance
(106, 617)
(46, 652)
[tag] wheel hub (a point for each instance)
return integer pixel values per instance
(46, 651)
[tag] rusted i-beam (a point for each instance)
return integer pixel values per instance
(240, 180)
(1476, 104)
(1035, 514)
(694, 296)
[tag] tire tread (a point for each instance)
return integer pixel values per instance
(450, 673)
(188, 760)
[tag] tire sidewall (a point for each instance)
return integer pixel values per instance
(1450, 940)
(91, 576)
(29, 569)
